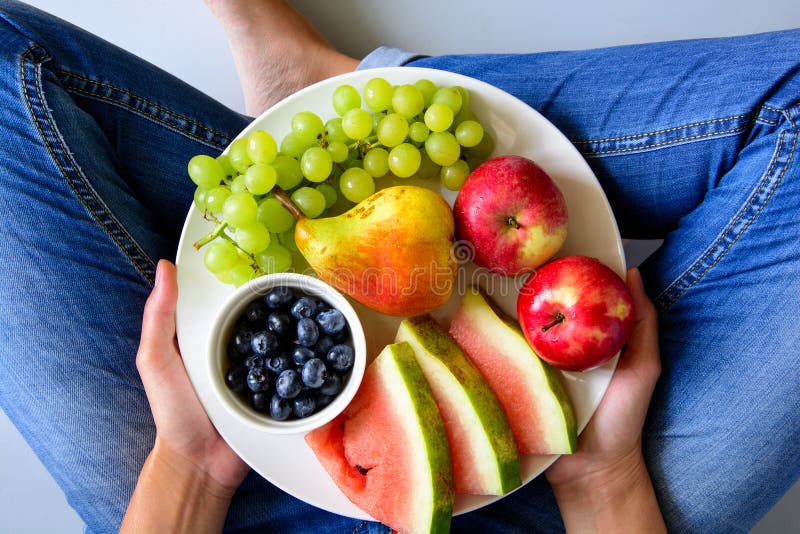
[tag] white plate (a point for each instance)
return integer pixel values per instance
(286, 461)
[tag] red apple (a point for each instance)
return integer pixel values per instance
(513, 213)
(575, 312)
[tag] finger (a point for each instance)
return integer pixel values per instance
(642, 348)
(157, 345)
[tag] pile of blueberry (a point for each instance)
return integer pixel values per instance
(290, 354)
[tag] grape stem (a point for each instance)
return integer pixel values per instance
(219, 229)
(287, 203)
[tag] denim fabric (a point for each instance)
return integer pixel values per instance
(693, 142)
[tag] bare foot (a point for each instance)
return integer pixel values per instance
(276, 51)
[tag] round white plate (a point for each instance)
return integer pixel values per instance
(286, 461)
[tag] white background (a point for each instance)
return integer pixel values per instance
(181, 37)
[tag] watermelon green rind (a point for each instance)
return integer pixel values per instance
(561, 424)
(431, 436)
(491, 440)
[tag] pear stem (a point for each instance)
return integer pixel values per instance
(559, 318)
(287, 203)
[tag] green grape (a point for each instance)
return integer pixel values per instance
(392, 130)
(310, 201)
(216, 198)
(469, 133)
(404, 160)
(376, 162)
(338, 151)
(334, 131)
(345, 98)
(200, 196)
(483, 149)
(227, 169)
(427, 168)
(443, 148)
(329, 192)
(274, 259)
(261, 147)
(453, 176)
(376, 120)
(378, 94)
(260, 178)
(287, 239)
(252, 238)
(292, 146)
(239, 209)
(438, 117)
(356, 184)
(241, 274)
(408, 101)
(450, 96)
(289, 172)
(238, 156)
(274, 216)
(220, 255)
(316, 164)
(464, 115)
(238, 185)
(357, 123)
(418, 132)
(428, 89)
(306, 126)
(205, 171)
(224, 277)
(464, 97)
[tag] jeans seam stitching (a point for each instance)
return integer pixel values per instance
(141, 99)
(134, 261)
(670, 142)
(666, 130)
(741, 213)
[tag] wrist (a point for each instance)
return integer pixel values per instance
(186, 474)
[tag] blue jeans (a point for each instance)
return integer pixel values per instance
(694, 143)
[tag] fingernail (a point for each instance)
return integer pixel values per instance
(158, 274)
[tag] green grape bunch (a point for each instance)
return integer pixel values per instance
(257, 189)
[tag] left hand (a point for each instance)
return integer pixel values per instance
(183, 430)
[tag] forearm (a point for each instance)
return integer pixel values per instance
(620, 501)
(172, 495)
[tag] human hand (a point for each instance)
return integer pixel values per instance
(609, 463)
(185, 436)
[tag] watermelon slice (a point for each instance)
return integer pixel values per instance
(529, 390)
(388, 450)
(485, 459)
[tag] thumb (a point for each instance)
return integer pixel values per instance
(641, 351)
(157, 343)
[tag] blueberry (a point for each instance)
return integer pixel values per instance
(263, 343)
(256, 312)
(288, 384)
(279, 323)
(260, 401)
(324, 400)
(341, 358)
(236, 378)
(258, 380)
(307, 332)
(332, 385)
(313, 373)
(278, 364)
(304, 307)
(322, 305)
(241, 341)
(304, 405)
(254, 361)
(278, 297)
(331, 321)
(322, 347)
(279, 408)
(233, 353)
(302, 354)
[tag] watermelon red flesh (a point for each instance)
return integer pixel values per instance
(535, 403)
(380, 462)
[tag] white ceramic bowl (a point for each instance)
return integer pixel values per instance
(222, 328)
